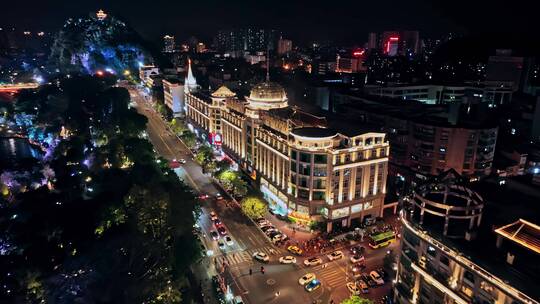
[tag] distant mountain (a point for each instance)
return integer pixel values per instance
(90, 44)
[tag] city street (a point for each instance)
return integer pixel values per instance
(236, 259)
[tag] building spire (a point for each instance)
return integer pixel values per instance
(190, 83)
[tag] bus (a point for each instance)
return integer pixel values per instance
(382, 239)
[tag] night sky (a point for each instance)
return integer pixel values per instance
(342, 21)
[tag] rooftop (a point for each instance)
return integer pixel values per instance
(523, 233)
(314, 132)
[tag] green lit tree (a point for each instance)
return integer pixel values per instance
(356, 300)
(253, 207)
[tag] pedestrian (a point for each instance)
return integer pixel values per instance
(324, 265)
(250, 271)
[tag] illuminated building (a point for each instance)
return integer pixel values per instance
(173, 93)
(190, 83)
(201, 47)
(145, 71)
(307, 168)
(373, 41)
(351, 63)
(453, 252)
(101, 15)
(236, 41)
(442, 94)
(428, 139)
(169, 45)
(284, 46)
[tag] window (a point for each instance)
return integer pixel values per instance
(293, 166)
(356, 208)
(293, 155)
(319, 195)
(336, 173)
(320, 158)
(444, 260)
(303, 193)
(469, 276)
(304, 157)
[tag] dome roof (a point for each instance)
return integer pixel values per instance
(268, 92)
(223, 92)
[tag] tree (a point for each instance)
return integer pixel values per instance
(254, 207)
(356, 300)
(188, 138)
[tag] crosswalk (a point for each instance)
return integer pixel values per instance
(330, 276)
(240, 257)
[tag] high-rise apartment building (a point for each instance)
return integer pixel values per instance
(284, 46)
(247, 39)
(173, 93)
(169, 44)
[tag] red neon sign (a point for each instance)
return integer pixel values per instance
(388, 43)
(358, 53)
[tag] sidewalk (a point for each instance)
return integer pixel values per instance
(294, 235)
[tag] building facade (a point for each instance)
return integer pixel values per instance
(169, 44)
(442, 261)
(173, 93)
(305, 169)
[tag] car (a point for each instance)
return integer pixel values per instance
(214, 235)
(357, 250)
(263, 223)
(311, 286)
(356, 269)
(222, 230)
(221, 244)
(295, 250)
(313, 261)
(376, 277)
(213, 216)
(217, 222)
(353, 289)
(289, 259)
(238, 300)
(269, 231)
(363, 286)
(219, 197)
(228, 240)
(204, 196)
(279, 237)
(336, 255)
(308, 277)
(266, 228)
(273, 234)
(261, 256)
(357, 259)
(382, 273)
(182, 161)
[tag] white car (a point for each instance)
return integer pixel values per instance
(287, 260)
(261, 257)
(376, 277)
(228, 240)
(313, 262)
(357, 259)
(336, 255)
(353, 289)
(308, 277)
(182, 161)
(279, 237)
(263, 223)
(213, 216)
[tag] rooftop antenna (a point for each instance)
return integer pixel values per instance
(268, 62)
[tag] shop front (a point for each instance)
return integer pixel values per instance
(277, 201)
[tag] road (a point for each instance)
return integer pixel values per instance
(236, 261)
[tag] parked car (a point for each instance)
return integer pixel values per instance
(217, 222)
(267, 232)
(228, 240)
(221, 244)
(214, 235)
(353, 289)
(261, 257)
(376, 277)
(213, 216)
(266, 228)
(363, 286)
(308, 277)
(336, 255)
(313, 261)
(238, 300)
(263, 223)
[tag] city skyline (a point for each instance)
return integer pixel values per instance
(348, 22)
